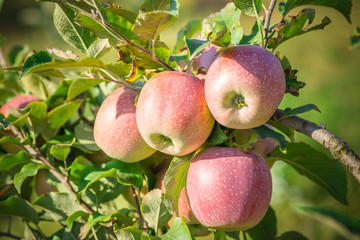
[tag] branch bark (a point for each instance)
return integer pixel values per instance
(268, 14)
(340, 150)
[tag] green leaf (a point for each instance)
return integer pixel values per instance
(14, 206)
(78, 5)
(27, 170)
(289, 132)
(195, 46)
(291, 235)
(292, 84)
(37, 59)
(60, 115)
(266, 229)
(264, 132)
(188, 31)
(38, 115)
(4, 124)
(84, 134)
(249, 6)
(316, 166)
(174, 182)
(154, 210)
(101, 31)
(61, 151)
(78, 86)
(94, 219)
(73, 217)
(223, 27)
(355, 38)
(17, 54)
(77, 167)
(132, 233)
(73, 34)
(293, 26)
(299, 110)
(60, 205)
(99, 48)
(348, 221)
(129, 15)
(178, 230)
(31, 233)
(217, 135)
(127, 174)
(41, 61)
(8, 161)
(151, 24)
(343, 6)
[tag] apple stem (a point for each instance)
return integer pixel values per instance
(239, 102)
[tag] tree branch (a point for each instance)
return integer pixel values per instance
(340, 150)
(268, 14)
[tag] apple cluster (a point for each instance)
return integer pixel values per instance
(226, 188)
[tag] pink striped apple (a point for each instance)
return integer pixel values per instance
(228, 189)
(172, 115)
(244, 86)
(115, 129)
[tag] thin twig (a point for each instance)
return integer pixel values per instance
(9, 235)
(115, 76)
(5, 189)
(259, 23)
(340, 150)
(268, 14)
(244, 235)
(156, 59)
(35, 153)
(142, 224)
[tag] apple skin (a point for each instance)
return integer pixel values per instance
(267, 145)
(205, 59)
(244, 86)
(228, 189)
(18, 102)
(115, 129)
(183, 203)
(172, 115)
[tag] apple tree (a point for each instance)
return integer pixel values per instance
(162, 143)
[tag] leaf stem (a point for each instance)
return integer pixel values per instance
(268, 14)
(244, 235)
(340, 150)
(259, 23)
(142, 224)
(2, 60)
(5, 189)
(139, 48)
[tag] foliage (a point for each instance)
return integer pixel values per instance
(92, 196)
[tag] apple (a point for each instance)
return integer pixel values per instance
(115, 129)
(18, 102)
(172, 115)
(205, 59)
(244, 86)
(228, 189)
(267, 145)
(184, 209)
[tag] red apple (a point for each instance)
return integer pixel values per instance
(228, 189)
(205, 59)
(244, 86)
(172, 114)
(115, 129)
(183, 204)
(18, 102)
(267, 145)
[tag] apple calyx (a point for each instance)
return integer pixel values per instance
(239, 101)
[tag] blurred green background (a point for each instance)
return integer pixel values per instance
(329, 68)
